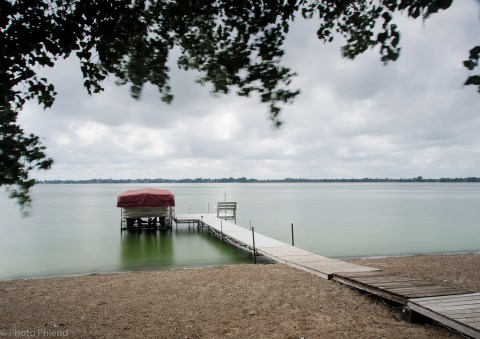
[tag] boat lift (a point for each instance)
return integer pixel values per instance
(150, 208)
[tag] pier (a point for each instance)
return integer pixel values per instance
(453, 308)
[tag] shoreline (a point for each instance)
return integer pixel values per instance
(349, 259)
(242, 300)
(439, 254)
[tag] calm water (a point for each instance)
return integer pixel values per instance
(75, 229)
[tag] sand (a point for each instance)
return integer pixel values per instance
(238, 301)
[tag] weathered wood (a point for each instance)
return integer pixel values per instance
(281, 254)
(432, 289)
(470, 311)
(421, 294)
(460, 312)
(391, 280)
(336, 267)
(321, 274)
(472, 319)
(449, 300)
(370, 289)
(365, 274)
(306, 258)
(286, 250)
(329, 267)
(394, 288)
(457, 308)
(473, 304)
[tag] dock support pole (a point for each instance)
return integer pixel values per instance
(121, 221)
(293, 240)
(254, 250)
(221, 228)
(225, 200)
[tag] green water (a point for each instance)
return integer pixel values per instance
(75, 229)
(185, 247)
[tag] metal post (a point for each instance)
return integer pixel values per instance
(254, 250)
(225, 200)
(121, 220)
(293, 242)
(250, 224)
(221, 228)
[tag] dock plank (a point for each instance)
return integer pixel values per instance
(449, 300)
(305, 258)
(471, 311)
(454, 309)
(329, 267)
(283, 254)
(286, 250)
(472, 318)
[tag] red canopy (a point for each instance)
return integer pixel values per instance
(148, 197)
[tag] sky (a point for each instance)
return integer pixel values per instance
(353, 119)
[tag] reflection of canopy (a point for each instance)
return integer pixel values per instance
(148, 197)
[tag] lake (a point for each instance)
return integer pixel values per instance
(75, 228)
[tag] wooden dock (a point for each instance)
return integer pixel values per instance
(457, 309)
(460, 312)
(271, 248)
(394, 288)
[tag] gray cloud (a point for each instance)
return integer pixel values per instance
(353, 118)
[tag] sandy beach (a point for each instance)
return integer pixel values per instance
(238, 301)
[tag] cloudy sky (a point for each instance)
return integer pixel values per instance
(353, 119)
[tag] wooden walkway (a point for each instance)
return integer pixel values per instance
(273, 249)
(393, 287)
(454, 308)
(460, 312)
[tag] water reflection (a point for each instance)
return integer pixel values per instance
(178, 247)
(140, 247)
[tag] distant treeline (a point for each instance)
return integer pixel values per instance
(247, 180)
